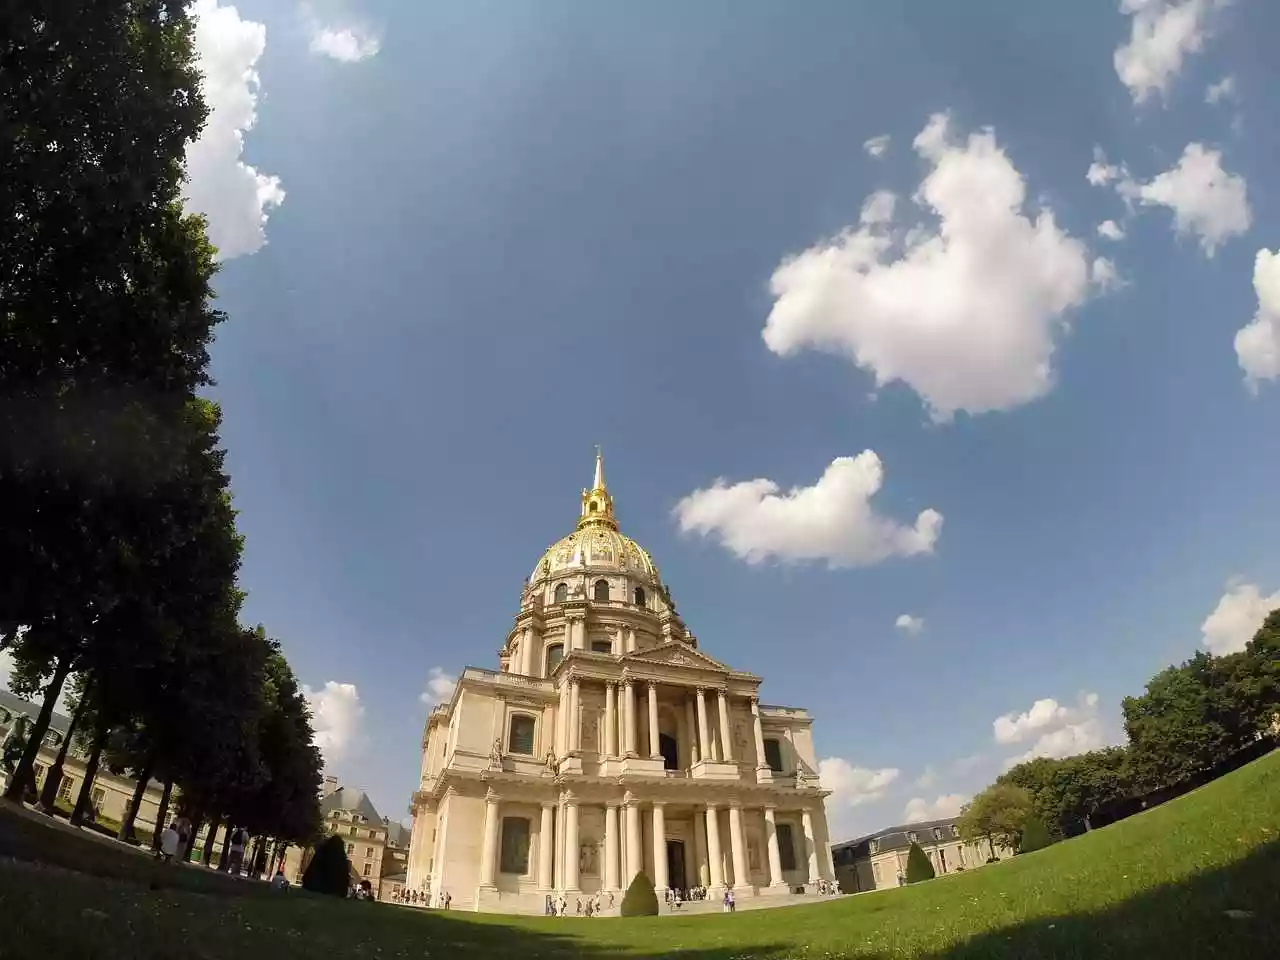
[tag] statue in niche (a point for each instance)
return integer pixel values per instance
(495, 755)
(591, 733)
(589, 858)
(753, 853)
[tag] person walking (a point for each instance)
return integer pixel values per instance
(236, 860)
(169, 841)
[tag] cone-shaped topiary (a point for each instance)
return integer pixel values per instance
(640, 900)
(329, 871)
(918, 865)
(1035, 835)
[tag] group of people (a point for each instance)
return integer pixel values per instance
(592, 906)
(828, 888)
(175, 837)
(423, 898)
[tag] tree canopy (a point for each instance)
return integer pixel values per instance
(918, 865)
(998, 814)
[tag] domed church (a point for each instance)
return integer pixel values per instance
(608, 743)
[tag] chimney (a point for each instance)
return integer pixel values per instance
(330, 785)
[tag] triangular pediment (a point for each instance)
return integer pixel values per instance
(676, 654)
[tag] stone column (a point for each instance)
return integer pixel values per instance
(631, 640)
(726, 735)
(660, 879)
(653, 720)
(691, 726)
(738, 847)
(699, 825)
(526, 652)
(775, 856)
(575, 715)
(562, 721)
(610, 720)
(634, 858)
(761, 762)
(715, 859)
(611, 839)
(546, 845)
(811, 845)
(489, 850)
(570, 842)
(629, 717)
(705, 751)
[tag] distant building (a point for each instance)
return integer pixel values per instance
(110, 794)
(876, 861)
(395, 860)
(350, 814)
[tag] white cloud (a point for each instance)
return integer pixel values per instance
(927, 779)
(1224, 89)
(852, 786)
(1057, 730)
(234, 197)
(1110, 230)
(1205, 199)
(1236, 618)
(965, 313)
(345, 44)
(439, 687)
(948, 805)
(1101, 173)
(1258, 343)
(833, 520)
(1104, 274)
(1161, 35)
(909, 625)
(335, 718)
(877, 146)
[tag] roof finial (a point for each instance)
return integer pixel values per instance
(599, 481)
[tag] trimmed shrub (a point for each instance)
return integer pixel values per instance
(640, 900)
(1035, 835)
(329, 870)
(918, 865)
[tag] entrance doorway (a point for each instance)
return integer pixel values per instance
(670, 752)
(675, 865)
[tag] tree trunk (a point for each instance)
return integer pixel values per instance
(22, 775)
(84, 800)
(224, 858)
(191, 841)
(53, 779)
(131, 814)
(210, 839)
(162, 814)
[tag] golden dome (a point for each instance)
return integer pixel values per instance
(597, 544)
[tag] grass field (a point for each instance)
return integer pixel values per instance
(1199, 877)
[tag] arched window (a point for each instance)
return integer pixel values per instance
(562, 592)
(555, 653)
(601, 590)
(640, 598)
(520, 737)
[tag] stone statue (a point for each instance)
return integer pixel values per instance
(495, 756)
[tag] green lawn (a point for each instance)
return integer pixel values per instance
(1158, 885)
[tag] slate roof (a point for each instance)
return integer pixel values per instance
(351, 799)
(895, 838)
(397, 834)
(15, 706)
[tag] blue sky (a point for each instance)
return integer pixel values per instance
(474, 239)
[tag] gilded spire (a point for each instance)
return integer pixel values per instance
(597, 505)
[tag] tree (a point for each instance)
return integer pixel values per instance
(1066, 792)
(997, 814)
(640, 899)
(1035, 835)
(918, 865)
(329, 870)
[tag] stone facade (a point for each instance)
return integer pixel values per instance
(606, 744)
(876, 861)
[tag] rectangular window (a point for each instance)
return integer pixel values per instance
(351, 848)
(353, 831)
(786, 846)
(368, 851)
(96, 797)
(38, 770)
(601, 646)
(64, 789)
(367, 868)
(773, 755)
(515, 845)
(521, 739)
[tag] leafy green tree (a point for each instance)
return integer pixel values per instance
(329, 871)
(1035, 835)
(1067, 792)
(918, 865)
(997, 814)
(640, 900)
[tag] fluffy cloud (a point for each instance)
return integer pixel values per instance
(1236, 618)
(965, 313)
(1258, 344)
(439, 687)
(909, 625)
(1110, 230)
(1161, 35)
(1053, 729)
(833, 520)
(877, 146)
(335, 718)
(1224, 89)
(948, 805)
(345, 44)
(234, 197)
(1101, 173)
(852, 786)
(1104, 274)
(1205, 199)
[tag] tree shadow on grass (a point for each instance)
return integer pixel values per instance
(1231, 913)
